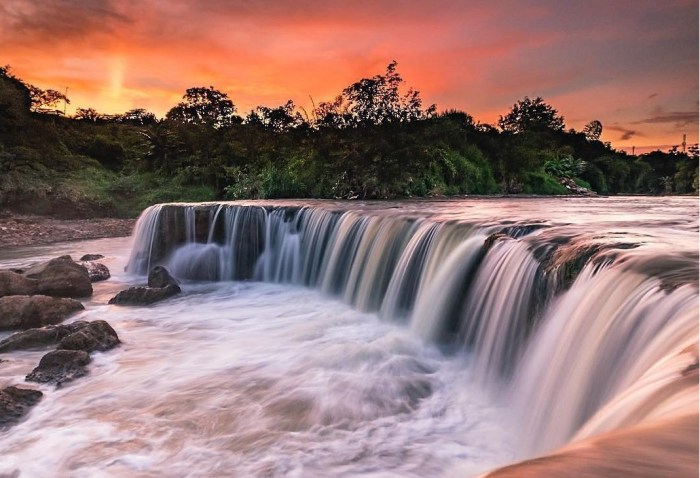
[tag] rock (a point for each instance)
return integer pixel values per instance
(12, 283)
(61, 277)
(96, 271)
(25, 312)
(60, 366)
(160, 277)
(571, 185)
(97, 335)
(91, 257)
(41, 337)
(15, 403)
(144, 295)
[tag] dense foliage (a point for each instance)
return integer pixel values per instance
(375, 140)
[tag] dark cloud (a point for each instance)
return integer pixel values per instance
(677, 118)
(652, 96)
(55, 20)
(626, 132)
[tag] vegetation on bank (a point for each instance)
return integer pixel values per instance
(375, 140)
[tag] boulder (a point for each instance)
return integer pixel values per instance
(25, 312)
(96, 271)
(61, 277)
(41, 337)
(91, 257)
(97, 335)
(12, 283)
(159, 277)
(15, 403)
(144, 295)
(60, 366)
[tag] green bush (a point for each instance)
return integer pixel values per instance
(542, 183)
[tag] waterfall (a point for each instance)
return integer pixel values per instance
(598, 342)
(605, 347)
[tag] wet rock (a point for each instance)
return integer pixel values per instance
(160, 277)
(144, 295)
(15, 403)
(60, 366)
(61, 277)
(41, 337)
(96, 271)
(12, 283)
(97, 335)
(24, 312)
(91, 257)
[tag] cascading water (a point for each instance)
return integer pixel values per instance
(462, 282)
(572, 328)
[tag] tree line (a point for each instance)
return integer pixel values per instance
(375, 140)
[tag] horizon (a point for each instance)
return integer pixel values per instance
(631, 65)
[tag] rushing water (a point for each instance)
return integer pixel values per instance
(439, 338)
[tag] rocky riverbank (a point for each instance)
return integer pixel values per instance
(25, 230)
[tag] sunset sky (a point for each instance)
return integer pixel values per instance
(632, 64)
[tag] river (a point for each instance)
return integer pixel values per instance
(380, 339)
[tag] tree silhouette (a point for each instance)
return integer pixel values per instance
(374, 101)
(280, 119)
(138, 117)
(87, 114)
(531, 115)
(204, 106)
(593, 130)
(46, 100)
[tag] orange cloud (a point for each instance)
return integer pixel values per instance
(623, 63)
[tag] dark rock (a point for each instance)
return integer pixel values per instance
(91, 257)
(37, 338)
(144, 295)
(61, 277)
(12, 283)
(25, 312)
(96, 335)
(96, 271)
(160, 277)
(15, 403)
(60, 366)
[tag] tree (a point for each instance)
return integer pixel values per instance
(375, 101)
(593, 130)
(204, 106)
(531, 115)
(87, 114)
(280, 119)
(138, 117)
(44, 101)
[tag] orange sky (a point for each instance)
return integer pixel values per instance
(632, 64)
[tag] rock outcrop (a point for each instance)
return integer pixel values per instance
(40, 337)
(159, 277)
(15, 403)
(144, 295)
(161, 285)
(13, 283)
(96, 271)
(92, 336)
(60, 277)
(24, 312)
(91, 257)
(60, 366)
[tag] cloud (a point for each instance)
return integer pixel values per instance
(626, 132)
(677, 118)
(37, 21)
